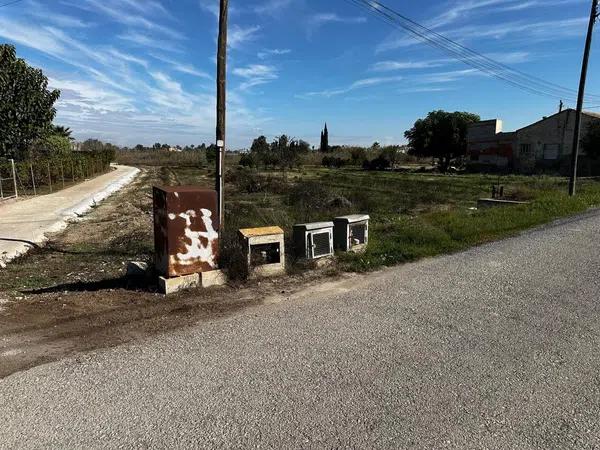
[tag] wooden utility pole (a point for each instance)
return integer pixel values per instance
(580, 98)
(221, 108)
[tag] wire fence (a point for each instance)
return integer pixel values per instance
(47, 175)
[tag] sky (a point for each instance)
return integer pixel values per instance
(143, 71)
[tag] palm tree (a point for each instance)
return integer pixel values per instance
(62, 131)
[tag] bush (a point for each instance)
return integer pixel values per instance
(52, 146)
(309, 195)
(250, 181)
(379, 163)
(232, 258)
(331, 161)
(247, 160)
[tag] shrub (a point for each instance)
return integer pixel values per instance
(309, 195)
(379, 163)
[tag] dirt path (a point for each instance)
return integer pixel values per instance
(24, 223)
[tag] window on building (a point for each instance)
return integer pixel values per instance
(526, 150)
(551, 151)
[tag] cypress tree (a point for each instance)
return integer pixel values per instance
(324, 147)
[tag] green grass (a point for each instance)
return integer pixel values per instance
(414, 215)
(435, 233)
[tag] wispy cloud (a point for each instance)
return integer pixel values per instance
(238, 35)
(264, 54)
(127, 57)
(255, 75)
(114, 9)
(549, 30)
(388, 66)
(318, 20)
(358, 84)
(181, 67)
(143, 40)
(272, 7)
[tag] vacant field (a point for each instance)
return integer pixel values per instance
(413, 215)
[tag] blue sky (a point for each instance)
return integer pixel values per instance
(142, 71)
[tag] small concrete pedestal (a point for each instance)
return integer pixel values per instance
(170, 286)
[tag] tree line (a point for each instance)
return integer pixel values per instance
(27, 112)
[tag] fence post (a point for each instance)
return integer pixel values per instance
(14, 174)
(1, 193)
(49, 177)
(72, 171)
(32, 179)
(62, 173)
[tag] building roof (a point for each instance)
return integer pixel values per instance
(567, 111)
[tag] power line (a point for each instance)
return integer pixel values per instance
(469, 60)
(468, 56)
(482, 56)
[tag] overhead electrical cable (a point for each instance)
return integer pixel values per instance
(470, 57)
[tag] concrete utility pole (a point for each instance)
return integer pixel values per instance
(221, 108)
(580, 97)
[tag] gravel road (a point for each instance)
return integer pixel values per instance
(496, 347)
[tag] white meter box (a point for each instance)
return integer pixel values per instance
(313, 240)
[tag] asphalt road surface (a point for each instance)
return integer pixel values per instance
(497, 347)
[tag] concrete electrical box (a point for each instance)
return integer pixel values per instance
(313, 240)
(186, 230)
(351, 233)
(265, 250)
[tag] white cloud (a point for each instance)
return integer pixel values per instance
(128, 58)
(255, 74)
(319, 19)
(549, 30)
(264, 54)
(272, 7)
(358, 84)
(388, 66)
(181, 67)
(143, 40)
(117, 10)
(238, 35)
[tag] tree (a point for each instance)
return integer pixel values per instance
(26, 104)
(441, 135)
(211, 153)
(59, 130)
(358, 155)
(324, 147)
(157, 146)
(590, 144)
(260, 150)
(92, 146)
(391, 153)
(51, 146)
